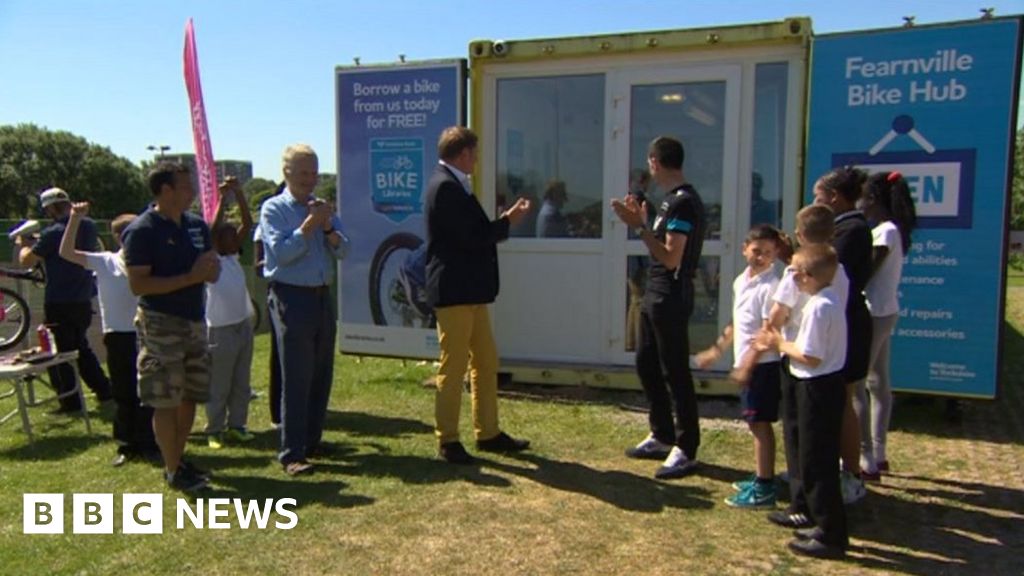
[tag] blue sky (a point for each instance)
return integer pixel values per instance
(111, 71)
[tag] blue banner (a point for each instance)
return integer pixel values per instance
(936, 104)
(389, 121)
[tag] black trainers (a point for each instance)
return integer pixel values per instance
(788, 519)
(194, 470)
(185, 481)
(816, 549)
(812, 533)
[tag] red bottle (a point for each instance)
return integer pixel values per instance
(45, 338)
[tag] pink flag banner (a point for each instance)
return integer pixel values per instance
(205, 168)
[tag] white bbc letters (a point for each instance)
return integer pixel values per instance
(43, 513)
(142, 514)
(92, 514)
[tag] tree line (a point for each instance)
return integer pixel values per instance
(33, 159)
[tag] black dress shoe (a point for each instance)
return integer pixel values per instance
(816, 549)
(454, 453)
(119, 460)
(788, 519)
(502, 443)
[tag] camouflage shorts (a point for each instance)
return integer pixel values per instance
(174, 360)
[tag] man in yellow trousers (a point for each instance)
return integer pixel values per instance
(462, 280)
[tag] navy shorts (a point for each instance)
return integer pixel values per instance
(760, 400)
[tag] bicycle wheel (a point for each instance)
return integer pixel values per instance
(387, 296)
(15, 318)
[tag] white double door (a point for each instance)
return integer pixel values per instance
(700, 106)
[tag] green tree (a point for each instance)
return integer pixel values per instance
(1017, 202)
(326, 186)
(256, 191)
(34, 158)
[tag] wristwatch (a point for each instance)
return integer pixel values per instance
(639, 230)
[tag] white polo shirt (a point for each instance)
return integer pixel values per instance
(789, 295)
(117, 303)
(882, 291)
(822, 335)
(751, 304)
(227, 299)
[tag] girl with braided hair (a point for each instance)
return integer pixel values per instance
(888, 204)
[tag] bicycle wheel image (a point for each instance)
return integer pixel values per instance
(15, 318)
(396, 283)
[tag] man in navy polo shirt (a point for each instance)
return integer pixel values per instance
(67, 304)
(169, 258)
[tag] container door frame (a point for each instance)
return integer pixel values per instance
(619, 94)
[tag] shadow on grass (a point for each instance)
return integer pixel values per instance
(306, 491)
(363, 424)
(623, 490)
(415, 470)
(53, 447)
(939, 536)
(971, 493)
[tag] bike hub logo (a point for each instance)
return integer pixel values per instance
(144, 514)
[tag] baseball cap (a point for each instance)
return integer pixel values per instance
(52, 196)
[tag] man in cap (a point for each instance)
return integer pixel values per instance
(67, 304)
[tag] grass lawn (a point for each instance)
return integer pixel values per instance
(1014, 277)
(573, 504)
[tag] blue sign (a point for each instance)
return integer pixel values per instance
(389, 122)
(936, 104)
(396, 176)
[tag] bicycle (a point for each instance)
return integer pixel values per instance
(15, 316)
(398, 278)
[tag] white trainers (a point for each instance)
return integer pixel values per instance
(676, 465)
(851, 488)
(649, 449)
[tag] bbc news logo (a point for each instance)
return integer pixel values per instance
(144, 514)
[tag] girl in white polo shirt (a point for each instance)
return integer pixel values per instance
(229, 315)
(887, 202)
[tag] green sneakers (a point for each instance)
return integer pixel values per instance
(754, 495)
(231, 435)
(236, 435)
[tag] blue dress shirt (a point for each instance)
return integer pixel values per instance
(290, 257)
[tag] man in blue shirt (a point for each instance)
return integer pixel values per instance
(169, 257)
(301, 238)
(67, 305)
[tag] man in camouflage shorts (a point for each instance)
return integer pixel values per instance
(169, 258)
(174, 363)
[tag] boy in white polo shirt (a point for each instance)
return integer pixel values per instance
(759, 396)
(816, 359)
(229, 315)
(133, 430)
